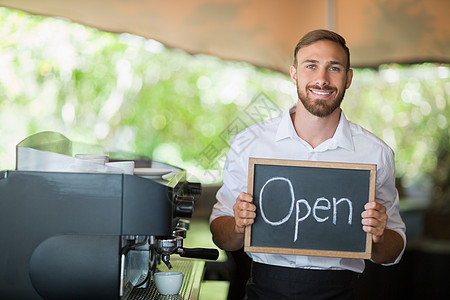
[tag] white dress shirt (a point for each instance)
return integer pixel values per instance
(277, 138)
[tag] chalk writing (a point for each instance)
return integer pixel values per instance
(318, 206)
(291, 191)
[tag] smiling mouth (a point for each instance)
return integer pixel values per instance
(322, 93)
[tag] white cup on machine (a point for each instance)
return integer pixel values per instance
(168, 283)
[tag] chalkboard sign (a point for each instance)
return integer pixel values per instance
(310, 208)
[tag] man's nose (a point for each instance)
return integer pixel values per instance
(322, 78)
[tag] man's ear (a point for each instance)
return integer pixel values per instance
(293, 72)
(349, 78)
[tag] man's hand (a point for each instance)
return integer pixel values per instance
(374, 220)
(387, 244)
(244, 212)
(228, 232)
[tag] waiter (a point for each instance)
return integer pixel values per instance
(315, 129)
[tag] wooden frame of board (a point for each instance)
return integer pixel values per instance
(365, 254)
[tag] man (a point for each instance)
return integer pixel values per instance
(313, 129)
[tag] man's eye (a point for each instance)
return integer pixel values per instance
(335, 69)
(310, 66)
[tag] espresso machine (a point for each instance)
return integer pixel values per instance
(66, 233)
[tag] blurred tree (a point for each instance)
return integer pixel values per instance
(134, 94)
(409, 107)
(121, 91)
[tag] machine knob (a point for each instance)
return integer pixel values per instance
(183, 223)
(184, 206)
(195, 189)
(181, 232)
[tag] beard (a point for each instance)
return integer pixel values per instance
(318, 107)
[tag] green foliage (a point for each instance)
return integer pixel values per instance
(407, 106)
(136, 95)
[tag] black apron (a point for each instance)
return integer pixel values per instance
(274, 282)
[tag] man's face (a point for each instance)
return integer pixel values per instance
(321, 77)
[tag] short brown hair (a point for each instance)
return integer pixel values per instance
(320, 35)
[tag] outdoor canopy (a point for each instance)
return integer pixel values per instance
(265, 32)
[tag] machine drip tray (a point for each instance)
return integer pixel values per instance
(193, 274)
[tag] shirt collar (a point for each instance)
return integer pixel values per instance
(341, 138)
(286, 128)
